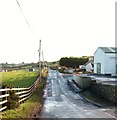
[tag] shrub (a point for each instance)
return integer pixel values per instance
(73, 61)
(12, 100)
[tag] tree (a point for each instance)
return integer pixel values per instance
(73, 61)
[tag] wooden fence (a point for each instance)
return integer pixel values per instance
(23, 93)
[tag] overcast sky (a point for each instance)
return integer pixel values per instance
(65, 27)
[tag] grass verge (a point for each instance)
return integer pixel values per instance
(29, 107)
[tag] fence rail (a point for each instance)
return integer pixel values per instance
(23, 93)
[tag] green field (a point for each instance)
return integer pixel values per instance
(19, 78)
(24, 78)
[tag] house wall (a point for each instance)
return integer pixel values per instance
(99, 57)
(89, 67)
(110, 63)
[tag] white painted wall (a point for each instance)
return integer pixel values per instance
(108, 62)
(89, 67)
(99, 57)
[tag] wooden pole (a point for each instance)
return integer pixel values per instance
(40, 61)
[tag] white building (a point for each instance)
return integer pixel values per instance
(105, 60)
(88, 66)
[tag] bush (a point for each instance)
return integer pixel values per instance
(73, 62)
(13, 100)
(44, 73)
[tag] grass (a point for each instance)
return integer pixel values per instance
(23, 78)
(19, 78)
(26, 108)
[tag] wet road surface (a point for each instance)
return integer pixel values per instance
(62, 102)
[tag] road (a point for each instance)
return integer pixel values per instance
(62, 102)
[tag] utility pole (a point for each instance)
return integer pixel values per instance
(43, 59)
(39, 60)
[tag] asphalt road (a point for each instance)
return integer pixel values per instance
(62, 102)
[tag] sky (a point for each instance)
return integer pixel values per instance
(65, 27)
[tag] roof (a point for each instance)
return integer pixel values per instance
(90, 61)
(109, 49)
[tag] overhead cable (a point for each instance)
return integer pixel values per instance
(23, 14)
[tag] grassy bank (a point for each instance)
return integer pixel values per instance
(26, 108)
(19, 78)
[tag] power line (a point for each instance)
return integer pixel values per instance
(32, 31)
(23, 14)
